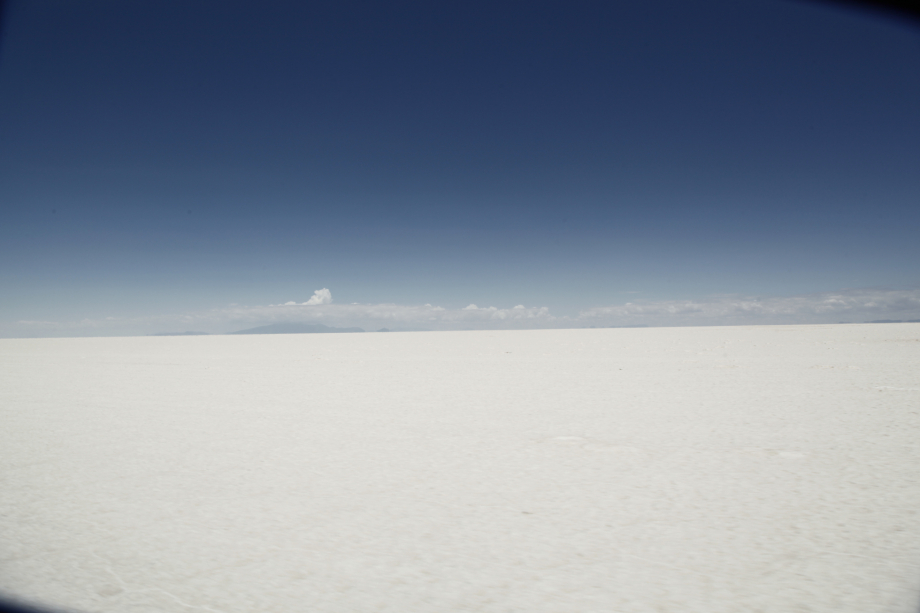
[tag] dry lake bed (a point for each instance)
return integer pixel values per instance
(717, 469)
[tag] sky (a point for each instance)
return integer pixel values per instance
(169, 166)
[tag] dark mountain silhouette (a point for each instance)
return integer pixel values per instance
(294, 328)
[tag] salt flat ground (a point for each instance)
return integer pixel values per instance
(729, 469)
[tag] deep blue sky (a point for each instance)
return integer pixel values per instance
(169, 157)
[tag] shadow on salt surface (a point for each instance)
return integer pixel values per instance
(12, 606)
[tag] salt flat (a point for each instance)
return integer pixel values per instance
(721, 469)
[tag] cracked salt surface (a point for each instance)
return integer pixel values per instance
(766, 469)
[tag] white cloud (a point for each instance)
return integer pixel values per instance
(320, 296)
(372, 316)
(829, 307)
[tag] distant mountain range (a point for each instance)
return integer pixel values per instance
(893, 321)
(180, 334)
(292, 328)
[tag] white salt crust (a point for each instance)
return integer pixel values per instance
(723, 469)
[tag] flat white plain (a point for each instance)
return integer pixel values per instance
(719, 469)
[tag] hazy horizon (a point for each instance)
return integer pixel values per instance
(852, 306)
